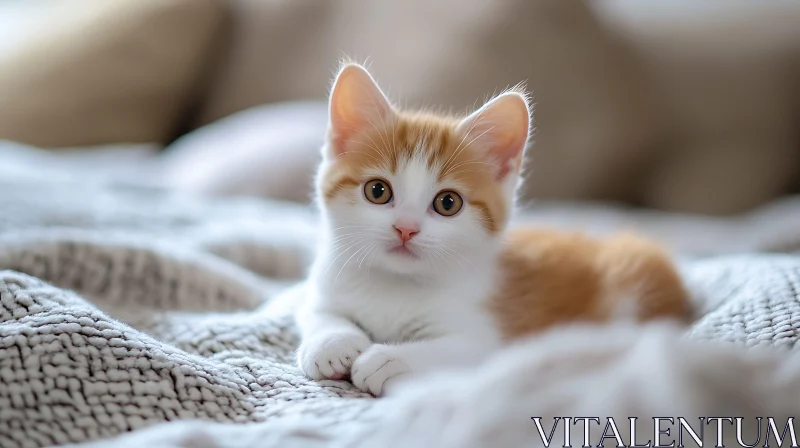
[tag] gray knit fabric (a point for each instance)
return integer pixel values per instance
(121, 308)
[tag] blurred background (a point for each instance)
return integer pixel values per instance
(682, 106)
(144, 145)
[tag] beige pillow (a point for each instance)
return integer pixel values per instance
(268, 151)
(678, 105)
(104, 72)
(726, 76)
(591, 104)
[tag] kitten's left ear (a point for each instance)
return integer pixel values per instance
(501, 127)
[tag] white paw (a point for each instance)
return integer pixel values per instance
(331, 356)
(377, 368)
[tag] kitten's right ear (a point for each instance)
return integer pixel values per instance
(356, 103)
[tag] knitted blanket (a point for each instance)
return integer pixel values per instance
(132, 309)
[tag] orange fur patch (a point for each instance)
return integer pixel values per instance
(551, 277)
(339, 184)
(455, 159)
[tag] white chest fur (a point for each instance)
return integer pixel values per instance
(394, 309)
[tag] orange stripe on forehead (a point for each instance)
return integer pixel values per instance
(439, 148)
(487, 217)
(333, 187)
(388, 145)
(399, 141)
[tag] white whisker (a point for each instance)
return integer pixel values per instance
(347, 261)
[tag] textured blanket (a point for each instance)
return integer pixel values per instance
(122, 309)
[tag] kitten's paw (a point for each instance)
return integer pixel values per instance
(377, 368)
(331, 356)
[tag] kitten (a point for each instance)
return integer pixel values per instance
(416, 271)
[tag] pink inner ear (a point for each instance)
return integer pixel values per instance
(356, 103)
(338, 137)
(509, 154)
(344, 128)
(501, 128)
(343, 124)
(503, 146)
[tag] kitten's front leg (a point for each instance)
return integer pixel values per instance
(329, 345)
(383, 365)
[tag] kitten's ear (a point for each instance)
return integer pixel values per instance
(501, 127)
(356, 103)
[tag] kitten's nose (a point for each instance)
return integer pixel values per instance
(406, 233)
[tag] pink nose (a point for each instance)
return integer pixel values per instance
(406, 233)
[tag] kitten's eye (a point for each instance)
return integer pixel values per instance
(447, 203)
(378, 191)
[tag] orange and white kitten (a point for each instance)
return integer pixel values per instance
(416, 271)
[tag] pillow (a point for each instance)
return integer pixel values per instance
(107, 72)
(269, 151)
(679, 105)
(726, 76)
(592, 106)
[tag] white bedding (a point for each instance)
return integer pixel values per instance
(131, 308)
